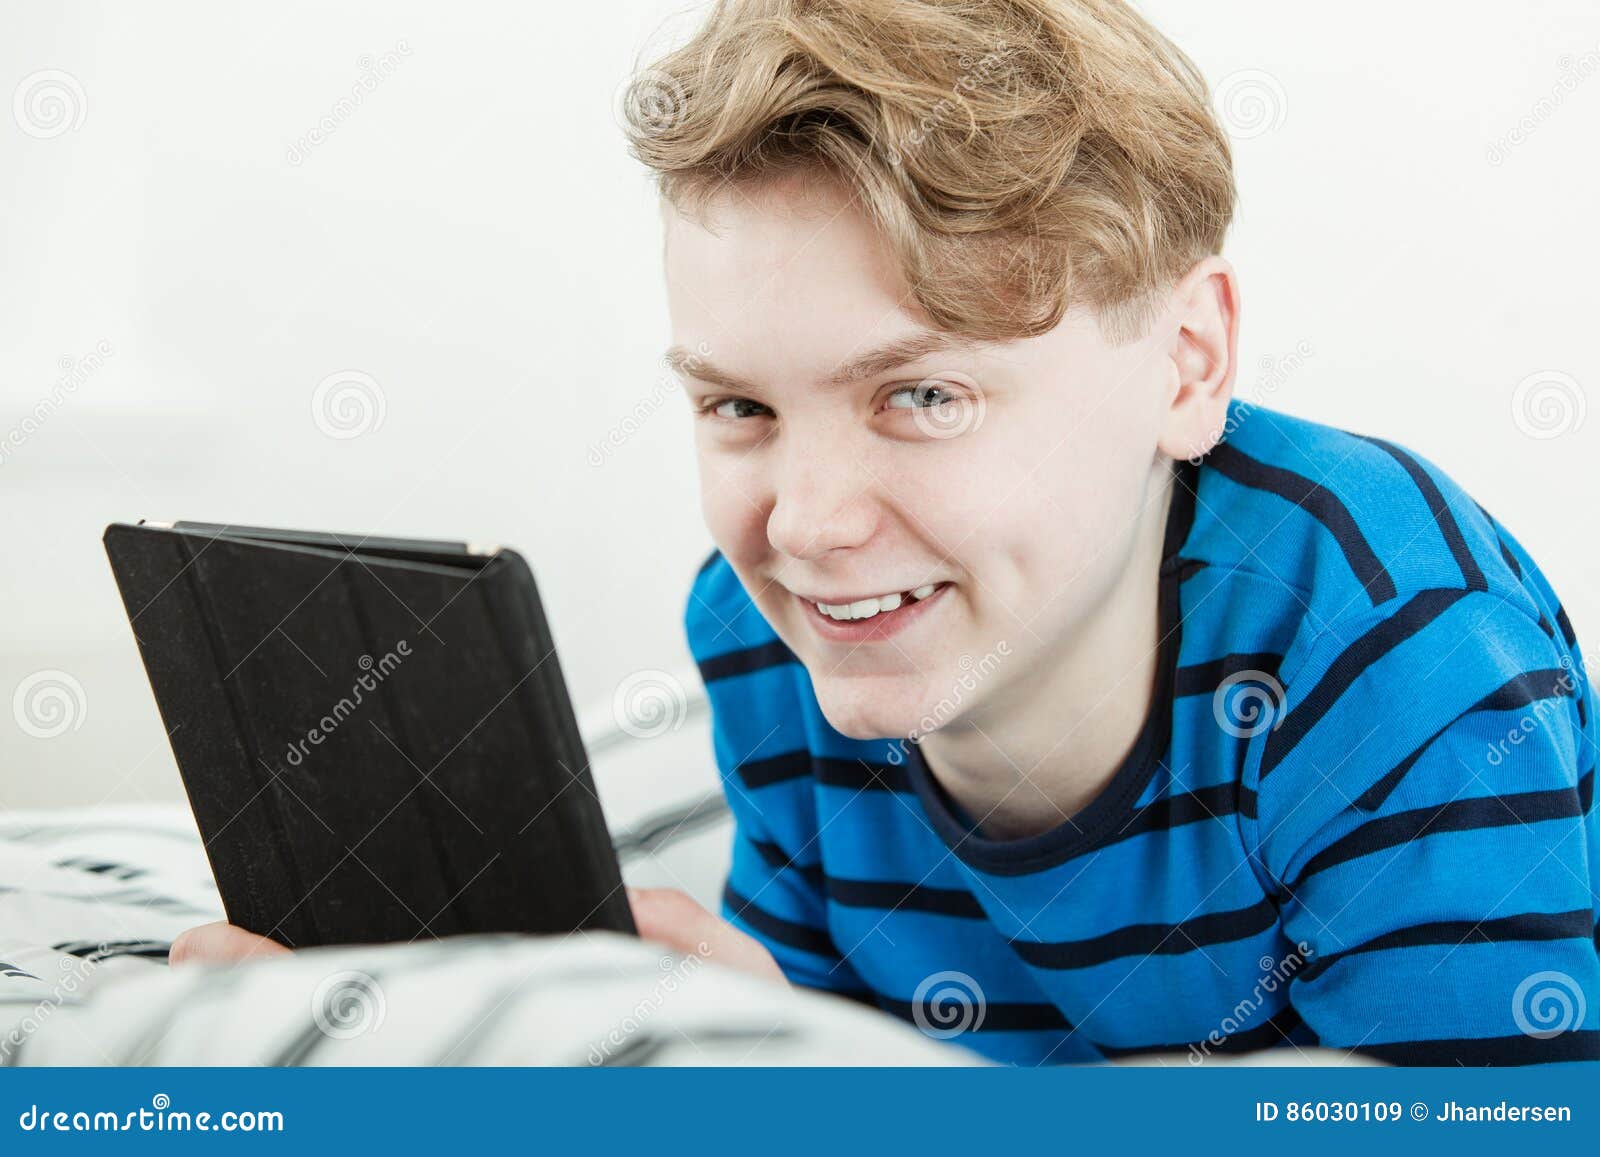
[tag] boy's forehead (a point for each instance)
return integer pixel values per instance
(792, 197)
(788, 283)
(757, 277)
(784, 237)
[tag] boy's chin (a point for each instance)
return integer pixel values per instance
(857, 710)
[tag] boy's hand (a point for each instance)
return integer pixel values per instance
(670, 918)
(664, 915)
(221, 943)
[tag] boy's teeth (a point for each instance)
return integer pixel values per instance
(867, 608)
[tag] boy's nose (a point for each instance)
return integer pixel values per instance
(820, 504)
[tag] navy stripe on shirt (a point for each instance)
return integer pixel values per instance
(1525, 926)
(1522, 691)
(779, 859)
(1448, 527)
(849, 774)
(1317, 501)
(1477, 813)
(1576, 1045)
(1412, 617)
(989, 1017)
(857, 775)
(1565, 624)
(1205, 678)
(1151, 939)
(816, 941)
(759, 773)
(745, 661)
(895, 896)
(1282, 1027)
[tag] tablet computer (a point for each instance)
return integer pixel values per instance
(374, 733)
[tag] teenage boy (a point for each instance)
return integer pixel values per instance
(1065, 707)
(1209, 729)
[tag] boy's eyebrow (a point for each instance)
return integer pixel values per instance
(870, 364)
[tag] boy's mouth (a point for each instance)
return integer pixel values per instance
(872, 605)
(870, 616)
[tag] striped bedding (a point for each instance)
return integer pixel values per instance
(91, 899)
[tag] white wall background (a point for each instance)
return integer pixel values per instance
(475, 238)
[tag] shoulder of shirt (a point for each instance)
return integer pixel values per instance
(720, 617)
(768, 728)
(1357, 523)
(1368, 544)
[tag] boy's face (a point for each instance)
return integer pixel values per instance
(1008, 477)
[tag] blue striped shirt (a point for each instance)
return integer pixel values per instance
(1359, 813)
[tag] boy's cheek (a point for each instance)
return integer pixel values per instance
(738, 535)
(730, 503)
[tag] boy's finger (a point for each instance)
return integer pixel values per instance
(220, 943)
(673, 919)
(670, 917)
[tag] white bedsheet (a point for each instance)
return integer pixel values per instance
(90, 900)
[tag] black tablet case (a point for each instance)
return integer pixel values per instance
(452, 797)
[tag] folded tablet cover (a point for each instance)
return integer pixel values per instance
(377, 742)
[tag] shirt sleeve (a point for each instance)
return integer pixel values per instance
(776, 893)
(776, 889)
(1424, 815)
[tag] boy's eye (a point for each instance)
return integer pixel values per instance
(922, 396)
(738, 408)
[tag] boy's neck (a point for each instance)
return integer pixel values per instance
(1035, 759)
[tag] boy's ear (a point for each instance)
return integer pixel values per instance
(1203, 353)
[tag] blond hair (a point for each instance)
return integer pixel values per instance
(1019, 157)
